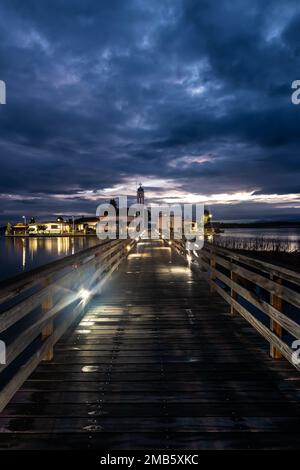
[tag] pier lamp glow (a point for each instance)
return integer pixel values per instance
(170, 243)
(84, 295)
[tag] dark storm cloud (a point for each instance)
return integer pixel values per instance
(105, 92)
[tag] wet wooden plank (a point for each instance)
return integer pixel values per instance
(160, 384)
(157, 363)
(160, 423)
(125, 441)
(180, 397)
(151, 409)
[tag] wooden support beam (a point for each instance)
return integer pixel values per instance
(277, 303)
(212, 272)
(233, 294)
(47, 331)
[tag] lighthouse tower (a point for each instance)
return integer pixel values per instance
(140, 195)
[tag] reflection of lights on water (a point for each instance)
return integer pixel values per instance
(189, 258)
(23, 253)
(59, 246)
(83, 332)
(87, 323)
(170, 243)
(33, 247)
(63, 245)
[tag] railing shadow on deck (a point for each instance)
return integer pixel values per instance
(37, 307)
(266, 295)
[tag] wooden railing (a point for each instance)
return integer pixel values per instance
(36, 308)
(266, 295)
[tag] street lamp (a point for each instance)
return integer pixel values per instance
(25, 222)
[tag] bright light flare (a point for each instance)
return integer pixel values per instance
(84, 294)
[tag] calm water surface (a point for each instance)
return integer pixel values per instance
(18, 254)
(292, 234)
(289, 236)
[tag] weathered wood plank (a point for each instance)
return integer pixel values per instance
(268, 268)
(270, 310)
(158, 359)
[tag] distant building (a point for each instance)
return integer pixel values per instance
(58, 227)
(17, 229)
(140, 195)
(86, 224)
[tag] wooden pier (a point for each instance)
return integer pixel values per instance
(170, 354)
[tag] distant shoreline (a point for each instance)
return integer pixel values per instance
(262, 224)
(278, 224)
(52, 235)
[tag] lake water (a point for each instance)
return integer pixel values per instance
(289, 237)
(274, 233)
(18, 254)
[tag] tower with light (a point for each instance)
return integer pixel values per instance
(140, 195)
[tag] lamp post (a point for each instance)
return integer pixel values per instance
(25, 223)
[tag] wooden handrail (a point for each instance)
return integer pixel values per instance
(11, 287)
(233, 276)
(29, 303)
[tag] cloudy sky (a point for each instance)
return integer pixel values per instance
(190, 97)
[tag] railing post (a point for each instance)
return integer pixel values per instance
(212, 270)
(277, 303)
(233, 294)
(47, 330)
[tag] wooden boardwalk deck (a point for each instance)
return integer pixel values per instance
(157, 362)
